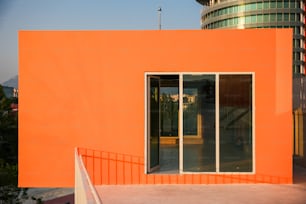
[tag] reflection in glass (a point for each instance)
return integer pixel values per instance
(169, 100)
(190, 107)
(154, 122)
(235, 103)
(199, 123)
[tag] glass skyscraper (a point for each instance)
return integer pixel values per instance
(241, 14)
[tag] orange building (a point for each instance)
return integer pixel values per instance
(146, 107)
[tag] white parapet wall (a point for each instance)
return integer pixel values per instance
(85, 192)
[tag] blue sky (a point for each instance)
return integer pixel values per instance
(18, 15)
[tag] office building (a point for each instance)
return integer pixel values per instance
(245, 14)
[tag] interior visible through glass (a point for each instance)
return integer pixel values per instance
(169, 108)
(235, 118)
(199, 140)
(235, 115)
(154, 122)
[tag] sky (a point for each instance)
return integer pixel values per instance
(16, 15)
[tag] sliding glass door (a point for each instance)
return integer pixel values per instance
(235, 123)
(199, 134)
(153, 122)
(211, 114)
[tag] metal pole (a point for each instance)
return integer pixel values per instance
(159, 17)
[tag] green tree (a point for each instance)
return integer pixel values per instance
(8, 131)
(8, 150)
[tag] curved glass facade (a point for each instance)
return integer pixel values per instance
(241, 14)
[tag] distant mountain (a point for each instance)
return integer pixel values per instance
(13, 82)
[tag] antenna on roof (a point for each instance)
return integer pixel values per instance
(159, 10)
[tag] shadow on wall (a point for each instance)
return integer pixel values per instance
(109, 168)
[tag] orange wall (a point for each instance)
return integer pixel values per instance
(86, 89)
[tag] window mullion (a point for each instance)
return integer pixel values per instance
(217, 122)
(180, 131)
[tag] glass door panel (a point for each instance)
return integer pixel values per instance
(235, 115)
(169, 100)
(215, 133)
(199, 123)
(153, 122)
(169, 105)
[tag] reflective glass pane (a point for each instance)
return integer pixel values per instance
(297, 30)
(154, 121)
(292, 4)
(296, 69)
(248, 7)
(279, 4)
(279, 17)
(253, 6)
(292, 17)
(223, 23)
(297, 56)
(199, 123)
(253, 19)
(273, 17)
(230, 22)
(248, 19)
(223, 11)
(297, 43)
(266, 5)
(235, 21)
(226, 22)
(230, 10)
(241, 8)
(169, 109)
(266, 18)
(259, 18)
(235, 95)
(235, 9)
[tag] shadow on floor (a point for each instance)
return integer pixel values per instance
(68, 199)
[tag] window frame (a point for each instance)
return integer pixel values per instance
(217, 111)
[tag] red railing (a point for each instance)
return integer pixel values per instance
(112, 168)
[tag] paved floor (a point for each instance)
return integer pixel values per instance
(208, 194)
(262, 193)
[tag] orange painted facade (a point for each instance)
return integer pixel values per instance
(86, 89)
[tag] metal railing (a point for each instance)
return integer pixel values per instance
(109, 168)
(112, 168)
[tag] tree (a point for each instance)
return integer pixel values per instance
(8, 150)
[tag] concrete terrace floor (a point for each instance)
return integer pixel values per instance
(221, 193)
(228, 193)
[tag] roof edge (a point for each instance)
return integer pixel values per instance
(203, 2)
